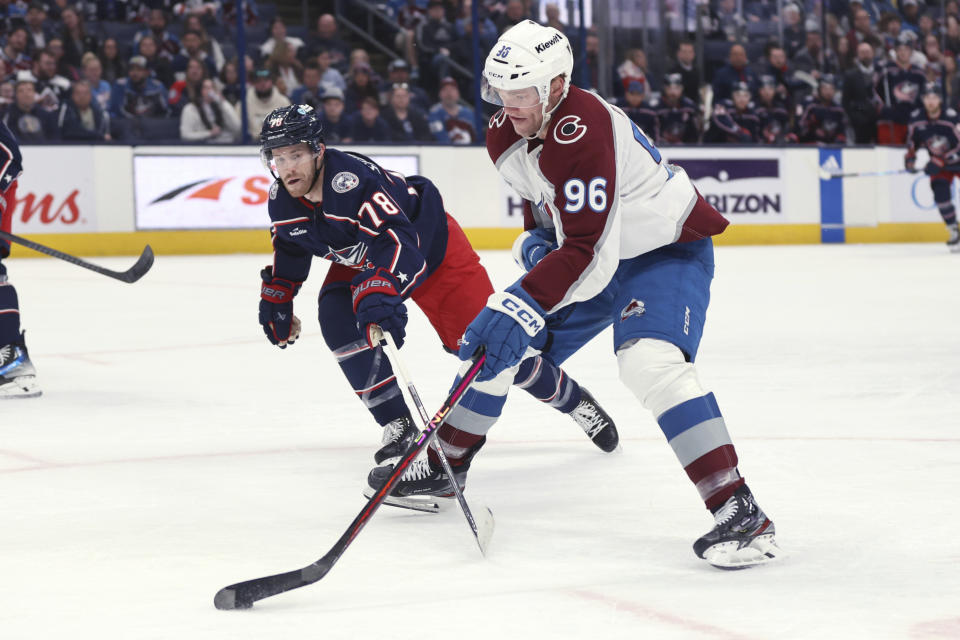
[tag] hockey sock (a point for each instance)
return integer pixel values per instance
(944, 200)
(948, 213)
(548, 383)
(459, 446)
(9, 311)
(698, 435)
(368, 370)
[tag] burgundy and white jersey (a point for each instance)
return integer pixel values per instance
(599, 182)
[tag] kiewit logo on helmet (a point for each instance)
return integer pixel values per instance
(543, 46)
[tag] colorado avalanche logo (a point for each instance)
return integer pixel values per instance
(569, 130)
(498, 119)
(906, 91)
(937, 145)
(635, 308)
(344, 181)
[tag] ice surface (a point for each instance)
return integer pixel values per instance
(175, 451)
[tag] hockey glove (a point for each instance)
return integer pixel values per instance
(376, 301)
(276, 308)
(532, 246)
(511, 322)
(910, 163)
(934, 167)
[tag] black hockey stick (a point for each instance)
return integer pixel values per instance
(242, 595)
(481, 527)
(134, 273)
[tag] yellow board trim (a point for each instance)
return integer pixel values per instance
(482, 238)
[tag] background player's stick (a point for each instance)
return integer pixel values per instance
(482, 527)
(826, 175)
(242, 595)
(134, 273)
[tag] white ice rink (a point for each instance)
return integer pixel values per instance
(175, 451)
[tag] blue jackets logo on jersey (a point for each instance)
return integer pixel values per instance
(344, 181)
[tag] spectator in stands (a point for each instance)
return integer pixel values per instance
(328, 38)
(285, 67)
(230, 82)
(52, 88)
(39, 31)
(435, 37)
(463, 26)
(168, 43)
(76, 40)
(55, 48)
(188, 89)
(138, 95)
(736, 70)
(13, 56)
(678, 118)
(92, 72)
(158, 65)
(910, 10)
(451, 121)
(209, 117)
(367, 125)
(515, 12)
(409, 14)
(278, 33)
(328, 75)
(726, 22)
(686, 67)
(407, 122)
(859, 96)
(823, 120)
(360, 86)
(262, 98)
(862, 30)
(733, 119)
(552, 14)
(25, 118)
(336, 125)
(634, 103)
(813, 59)
(113, 65)
(6, 95)
(81, 117)
(208, 45)
(398, 72)
(632, 69)
(888, 30)
(196, 9)
(951, 87)
(931, 49)
(312, 90)
(794, 35)
(192, 49)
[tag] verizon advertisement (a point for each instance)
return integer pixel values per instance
(55, 192)
(213, 192)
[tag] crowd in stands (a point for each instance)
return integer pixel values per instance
(162, 70)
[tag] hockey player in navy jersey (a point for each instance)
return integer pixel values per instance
(390, 241)
(899, 84)
(626, 244)
(938, 131)
(773, 113)
(18, 378)
(823, 120)
(678, 117)
(734, 120)
(638, 109)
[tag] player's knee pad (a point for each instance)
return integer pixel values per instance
(658, 374)
(482, 403)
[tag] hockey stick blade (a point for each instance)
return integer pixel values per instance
(242, 595)
(134, 273)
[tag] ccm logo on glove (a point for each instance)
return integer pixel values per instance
(516, 308)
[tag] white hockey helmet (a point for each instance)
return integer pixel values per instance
(526, 55)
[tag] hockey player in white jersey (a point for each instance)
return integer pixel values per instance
(614, 236)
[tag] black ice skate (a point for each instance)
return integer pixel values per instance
(595, 422)
(18, 378)
(954, 242)
(743, 536)
(398, 436)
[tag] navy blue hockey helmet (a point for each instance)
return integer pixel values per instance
(932, 87)
(286, 126)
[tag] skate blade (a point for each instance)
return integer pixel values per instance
(729, 555)
(426, 504)
(20, 387)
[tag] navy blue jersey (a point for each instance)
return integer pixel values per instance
(730, 125)
(899, 89)
(822, 122)
(11, 162)
(369, 218)
(774, 122)
(645, 117)
(938, 135)
(679, 123)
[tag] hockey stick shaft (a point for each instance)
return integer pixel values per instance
(242, 595)
(134, 273)
(889, 172)
(482, 531)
